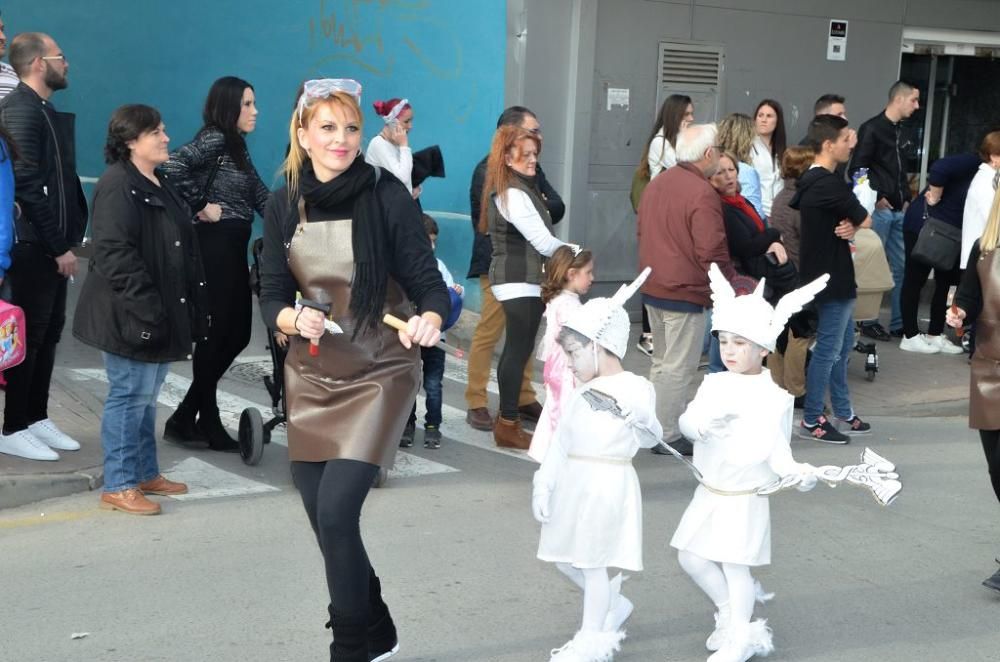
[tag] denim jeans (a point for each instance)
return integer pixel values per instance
(888, 224)
(828, 366)
(433, 358)
(128, 425)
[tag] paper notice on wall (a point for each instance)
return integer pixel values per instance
(836, 46)
(618, 96)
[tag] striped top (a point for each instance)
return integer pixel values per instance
(8, 79)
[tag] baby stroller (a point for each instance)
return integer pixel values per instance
(873, 278)
(254, 433)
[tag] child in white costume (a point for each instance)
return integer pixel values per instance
(586, 493)
(568, 274)
(740, 422)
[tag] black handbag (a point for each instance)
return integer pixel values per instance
(938, 245)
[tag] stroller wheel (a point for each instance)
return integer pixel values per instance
(870, 375)
(381, 478)
(251, 436)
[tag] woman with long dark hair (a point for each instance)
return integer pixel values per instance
(768, 147)
(215, 175)
(348, 237)
(676, 113)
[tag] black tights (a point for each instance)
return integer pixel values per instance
(991, 446)
(333, 493)
(523, 315)
(914, 279)
(224, 255)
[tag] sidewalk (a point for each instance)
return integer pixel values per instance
(909, 385)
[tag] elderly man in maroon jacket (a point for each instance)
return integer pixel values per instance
(681, 233)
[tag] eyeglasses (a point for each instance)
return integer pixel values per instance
(53, 57)
(321, 88)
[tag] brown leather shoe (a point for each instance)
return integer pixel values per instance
(531, 411)
(479, 419)
(131, 501)
(509, 434)
(162, 486)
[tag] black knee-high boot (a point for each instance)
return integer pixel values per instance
(350, 637)
(382, 638)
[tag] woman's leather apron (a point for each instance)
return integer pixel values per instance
(353, 400)
(984, 391)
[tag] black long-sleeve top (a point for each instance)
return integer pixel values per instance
(745, 240)
(238, 192)
(411, 259)
(969, 295)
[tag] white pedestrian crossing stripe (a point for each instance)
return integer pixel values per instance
(232, 406)
(207, 481)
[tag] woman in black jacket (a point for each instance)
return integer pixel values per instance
(141, 302)
(215, 175)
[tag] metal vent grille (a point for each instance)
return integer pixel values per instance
(690, 64)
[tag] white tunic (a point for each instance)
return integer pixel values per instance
(751, 451)
(595, 512)
(397, 159)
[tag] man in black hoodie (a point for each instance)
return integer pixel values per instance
(830, 216)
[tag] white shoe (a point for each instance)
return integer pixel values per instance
(919, 344)
(53, 437)
(589, 646)
(718, 636)
(621, 607)
(944, 345)
(24, 444)
(745, 642)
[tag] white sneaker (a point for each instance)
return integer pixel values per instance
(24, 444)
(53, 437)
(919, 344)
(944, 345)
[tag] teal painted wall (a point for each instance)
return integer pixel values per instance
(445, 56)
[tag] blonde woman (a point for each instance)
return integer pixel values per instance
(736, 135)
(978, 298)
(348, 236)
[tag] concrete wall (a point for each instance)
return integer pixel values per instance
(446, 56)
(773, 48)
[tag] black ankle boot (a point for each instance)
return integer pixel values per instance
(211, 428)
(350, 640)
(181, 428)
(383, 641)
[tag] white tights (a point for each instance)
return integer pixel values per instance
(596, 593)
(730, 584)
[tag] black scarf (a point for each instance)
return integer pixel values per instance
(368, 235)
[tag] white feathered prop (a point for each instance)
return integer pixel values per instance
(750, 315)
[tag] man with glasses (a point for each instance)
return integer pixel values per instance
(8, 77)
(491, 317)
(681, 233)
(53, 219)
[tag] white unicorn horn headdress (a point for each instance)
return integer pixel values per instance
(604, 320)
(750, 315)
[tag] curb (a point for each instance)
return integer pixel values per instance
(19, 490)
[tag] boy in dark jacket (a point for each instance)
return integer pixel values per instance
(830, 216)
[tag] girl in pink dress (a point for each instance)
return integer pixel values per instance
(568, 274)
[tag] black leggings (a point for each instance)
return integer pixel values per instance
(914, 278)
(227, 276)
(646, 329)
(333, 493)
(523, 317)
(991, 446)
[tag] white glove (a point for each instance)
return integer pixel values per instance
(717, 427)
(540, 505)
(808, 479)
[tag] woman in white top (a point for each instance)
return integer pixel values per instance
(676, 113)
(390, 149)
(514, 214)
(980, 196)
(768, 146)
